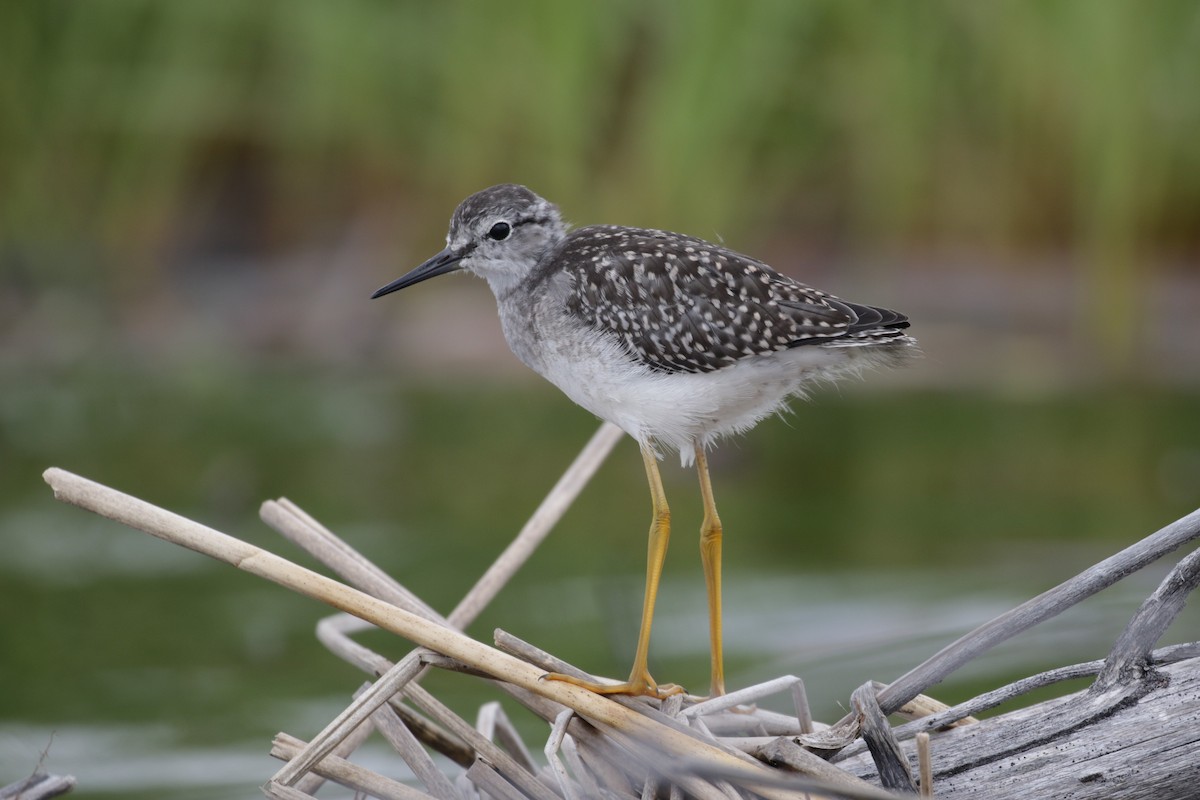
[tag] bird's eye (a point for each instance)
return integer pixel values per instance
(500, 231)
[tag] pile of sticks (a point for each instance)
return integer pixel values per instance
(620, 747)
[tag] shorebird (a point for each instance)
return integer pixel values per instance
(674, 339)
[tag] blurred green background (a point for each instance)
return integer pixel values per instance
(197, 198)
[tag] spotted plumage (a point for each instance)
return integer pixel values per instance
(681, 304)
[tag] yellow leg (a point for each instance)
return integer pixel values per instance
(640, 682)
(710, 557)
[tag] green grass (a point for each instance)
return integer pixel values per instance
(133, 128)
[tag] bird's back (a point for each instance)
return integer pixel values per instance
(681, 304)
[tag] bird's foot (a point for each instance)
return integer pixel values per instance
(637, 686)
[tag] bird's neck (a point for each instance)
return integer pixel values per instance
(503, 284)
(522, 276)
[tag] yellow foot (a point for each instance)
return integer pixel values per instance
(642, 686)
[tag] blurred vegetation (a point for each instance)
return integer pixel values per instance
(133, 129)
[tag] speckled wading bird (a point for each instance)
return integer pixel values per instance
(676, 340)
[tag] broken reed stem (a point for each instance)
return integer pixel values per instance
(924, 764)
(311, 783)
(484, 748)
(1130, 654)
(304, 530)
(611, 716)
(393, 728)
(534, 532)
(352, 776)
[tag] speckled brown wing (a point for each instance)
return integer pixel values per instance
(681, 304)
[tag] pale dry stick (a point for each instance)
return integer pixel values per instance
(398, 735)
(661, 766)
(335, 627)
(551, 663)
(305, 531)
(815, 774)
(313, 781)
(526, 542)
(300, 528)
(803, 709)
(803, 788)
(361, 708)
(436, 738)
(494, 725)
(448, 664)
(742, 696)
(768, 721)
(924, 706)
(466, 789)
(1016, 620)
(760, 723)
(783, 724)
(612, 717)
(349, 775)
(334, 632)
(513, 771)
(491, 782)
(609, 765)
(534, 532)
(925, 764)
(554, 744)
(725, 787)
(640, 705)
(278, 791)
(589, 781)
(520, 773)
(748, 744)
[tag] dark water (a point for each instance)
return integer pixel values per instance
(863, 533)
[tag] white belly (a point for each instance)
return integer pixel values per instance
(673, 410)
(677, 410)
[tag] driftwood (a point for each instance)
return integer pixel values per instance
(1135, 733)
(1141, 739)
(38, 786)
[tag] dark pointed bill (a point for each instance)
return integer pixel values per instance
(443, 262)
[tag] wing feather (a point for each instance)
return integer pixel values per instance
(681, 304)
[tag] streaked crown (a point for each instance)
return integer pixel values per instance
(502, 232)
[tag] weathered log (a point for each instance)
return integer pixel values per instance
(1139, 740)
(38, 786)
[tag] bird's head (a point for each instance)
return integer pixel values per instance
(498, 234)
